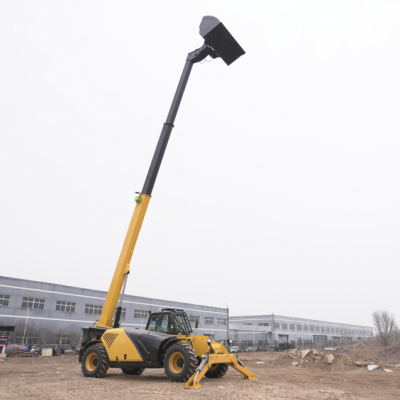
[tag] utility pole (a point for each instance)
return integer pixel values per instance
(26, 321)
(227, 322)
(273, 329)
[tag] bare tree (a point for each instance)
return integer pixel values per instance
(385, 326)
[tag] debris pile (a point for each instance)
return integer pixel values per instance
(326, 361)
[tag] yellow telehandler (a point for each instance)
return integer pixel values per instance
(168, 341)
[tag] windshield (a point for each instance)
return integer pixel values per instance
(158, 323)
(168, 323)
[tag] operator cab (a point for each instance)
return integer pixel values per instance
(169, 320)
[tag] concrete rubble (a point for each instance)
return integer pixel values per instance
(388, 370)
(362, 363)
(328, 359)
(304, 353)
(372, 367)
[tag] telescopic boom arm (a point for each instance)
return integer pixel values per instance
(216, 35)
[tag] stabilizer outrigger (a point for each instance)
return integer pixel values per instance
(210, 360)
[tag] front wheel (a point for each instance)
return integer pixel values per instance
(180, 362)
(217, 371)
(95, 361)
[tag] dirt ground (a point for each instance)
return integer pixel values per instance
(60, 378)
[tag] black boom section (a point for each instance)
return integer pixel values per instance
(149, 344)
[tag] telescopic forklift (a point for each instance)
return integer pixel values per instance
(168, 341)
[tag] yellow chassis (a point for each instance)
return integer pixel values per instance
(209, 360)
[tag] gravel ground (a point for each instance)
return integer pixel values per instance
(60, 378)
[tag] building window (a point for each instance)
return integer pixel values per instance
(328, 330)
(193, 319)
(93, 309)
(63, 339)
(123, 313)
(311, 328)
(4, 300)
(276, 326)
(337, 330)
(246, 343)
(65, 306)
(284, 326)
(30, 302)
(263, 324)
(305, 328)
(140, 314)
(317, 329)
(247, 324)
(292, 343)
(209, 320)
(299, 327)
(323, 329)
(27, 340)
(292, 327)
(221, 321)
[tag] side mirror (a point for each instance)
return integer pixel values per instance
(196, 323)
(230, 341)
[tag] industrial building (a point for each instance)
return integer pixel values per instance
(272, 330)
(66, 309)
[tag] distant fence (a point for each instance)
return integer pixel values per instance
(318, 343)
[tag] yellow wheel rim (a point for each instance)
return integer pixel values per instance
(91, 362)
(213, 367)
(176, 362)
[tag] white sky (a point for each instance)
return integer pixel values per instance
(280, 188)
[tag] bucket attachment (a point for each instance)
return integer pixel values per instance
(208, 360)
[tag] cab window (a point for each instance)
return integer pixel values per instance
(158, 323)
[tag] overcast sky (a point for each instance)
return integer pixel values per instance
(280, 187)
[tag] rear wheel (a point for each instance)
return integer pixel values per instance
(180, 362)
(95, 361)
(133, 371)
(217, 371)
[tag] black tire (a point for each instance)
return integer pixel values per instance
(217, 371)
(95, 361)
(132, 371)
(180, 362)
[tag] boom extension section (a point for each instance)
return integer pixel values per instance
(123, 265)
